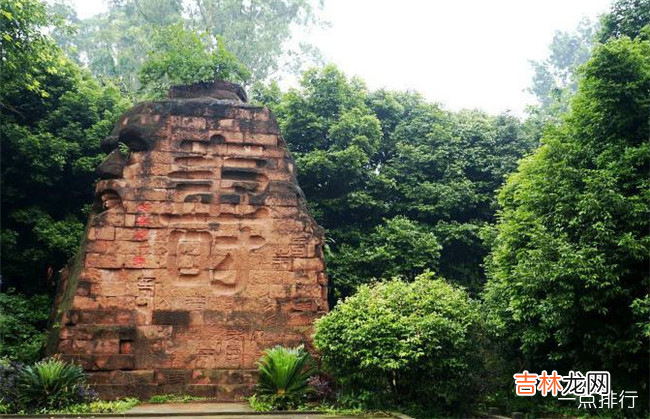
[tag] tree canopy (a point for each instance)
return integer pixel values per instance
(400, 184)
(117, 43)
(568, 271)
(54, 116)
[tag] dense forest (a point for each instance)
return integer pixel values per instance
(543, 221)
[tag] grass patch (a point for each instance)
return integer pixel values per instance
(175, 398)
(100, 406)
(259, 404)
(329, 409)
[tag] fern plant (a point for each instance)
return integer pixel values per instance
(51, 384)
(283, 374)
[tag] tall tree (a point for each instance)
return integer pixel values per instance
(555, 78)
(116, 43)
(568, 272)
(401, 185)
(53, 118)
(180, 56)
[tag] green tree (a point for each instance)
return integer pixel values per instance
(555, 78)
(116, 43)
(258, 32)
(625, 18)
(364, 157)
(180, 56)
(54, 116)
(397, 248)
(568, 271)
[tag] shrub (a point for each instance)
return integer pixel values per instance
(8, 374)
(23, 321)
(283, 376)
(51, 384)
(407, 342)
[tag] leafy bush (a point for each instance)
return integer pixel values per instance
(48, 385)
(403, 342)
(23, 321)
(8, 373)
(283, 376)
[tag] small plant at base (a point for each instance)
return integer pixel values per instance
(283, 376)
(174, 398)
(51, 384)
(322, 388)
(259, 404)
(100, 406)
(124, 149)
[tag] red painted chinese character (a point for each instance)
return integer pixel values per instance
(143, 207)
(142, 220)
(549, 383)
(526, 384)
(138, 260)
(140, 235)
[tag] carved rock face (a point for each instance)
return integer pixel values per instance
(198, 255)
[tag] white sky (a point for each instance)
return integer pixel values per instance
(462, 53)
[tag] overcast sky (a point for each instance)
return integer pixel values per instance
(462, 53)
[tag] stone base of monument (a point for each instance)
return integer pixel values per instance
(215, 384)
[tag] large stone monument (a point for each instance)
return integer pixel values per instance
(199, 252)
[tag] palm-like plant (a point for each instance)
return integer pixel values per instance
(51, 384)
(283, 376)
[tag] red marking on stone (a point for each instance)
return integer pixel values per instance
(142, 220)
(143, 207)
(141, 235)
(138, 260)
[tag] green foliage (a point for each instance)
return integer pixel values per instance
(54, 116)
(397, 248)
(181, 56)
(555, 78)
(51, 385)
(124, 149)
(99, 406)
(366, 157)
(116, 43)
(283, 374)
(24, 48)
(23, 321)
(569, 265)
(398, 342)
(260, 404)
(625, 18)
(174, 398)
(268, 95)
